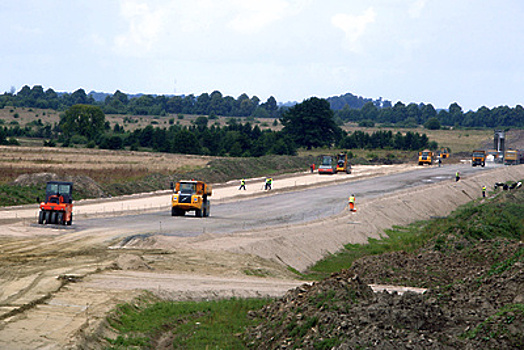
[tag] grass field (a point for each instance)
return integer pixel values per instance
(23, 116)
(101, 165)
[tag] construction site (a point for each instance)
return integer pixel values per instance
(59, 280)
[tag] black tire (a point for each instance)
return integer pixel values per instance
(483, 165)
(60, 218)
(41, 216)
(47, 217)
(177, 212)
(53, 218)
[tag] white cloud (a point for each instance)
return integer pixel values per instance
(253, 15)
(353, 26)
(415, 10)
(144, 27)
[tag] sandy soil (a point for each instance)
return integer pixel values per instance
(57, 287)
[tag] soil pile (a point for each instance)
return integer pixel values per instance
(475, 298)
(130, 262)
(475, 311)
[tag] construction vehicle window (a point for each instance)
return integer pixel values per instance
(187, 188)
(64, 189)
(326, 161)
(52, 188)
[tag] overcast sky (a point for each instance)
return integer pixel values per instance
(431, 51)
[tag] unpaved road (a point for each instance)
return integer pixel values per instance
(206, 258)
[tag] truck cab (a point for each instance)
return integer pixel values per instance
(425, 157)
(191, 195)
(478, 158)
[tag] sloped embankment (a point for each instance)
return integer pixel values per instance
(303, 245)
(472, 265)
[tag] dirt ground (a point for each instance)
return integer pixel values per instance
(57, 286)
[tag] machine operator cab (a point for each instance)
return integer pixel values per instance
(56, 189)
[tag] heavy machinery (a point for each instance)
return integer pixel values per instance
(326, 165)
(425, 157)
(58, 205)
(511, 157)
(343, 164)
(478, 158)
(443, 153)
(191, 196)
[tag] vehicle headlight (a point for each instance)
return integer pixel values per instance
(195, 199)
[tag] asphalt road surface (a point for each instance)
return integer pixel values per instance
(276, 209)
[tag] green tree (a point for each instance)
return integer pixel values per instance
(432, 124)
(369, 111)
(201, 122)
(311, 124)
(185, 142)
(85, 120)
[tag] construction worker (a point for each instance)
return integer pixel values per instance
(270, 183)
(457, 176)
(242, 184)
(351, 203)
(267, 186)
(484, 191)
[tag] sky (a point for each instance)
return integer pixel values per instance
(424, 51)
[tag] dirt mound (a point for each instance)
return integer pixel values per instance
(475, 310)
(82, 184)
(473, 269)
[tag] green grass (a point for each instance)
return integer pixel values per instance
(408, 238)
(18, 195)
(191, 325)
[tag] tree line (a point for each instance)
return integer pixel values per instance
(309, 124)
(120, 103)
(413, 115)
(347, 108)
